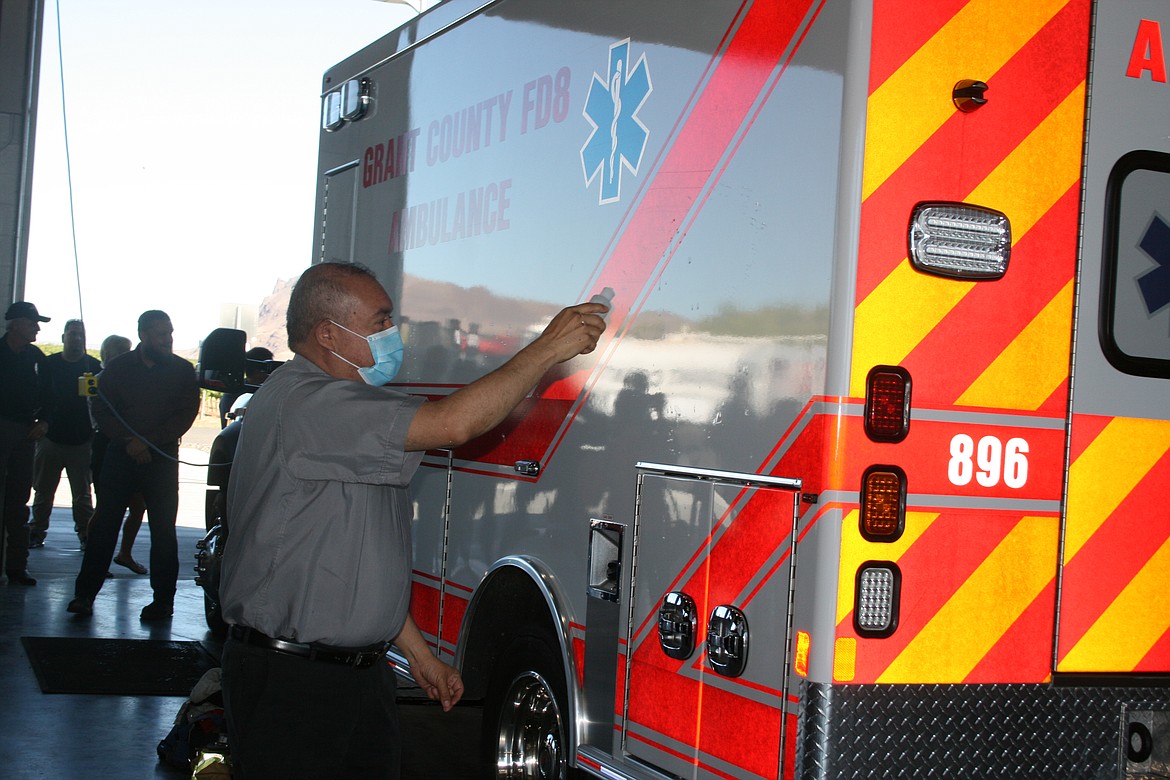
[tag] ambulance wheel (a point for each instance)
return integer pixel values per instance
(525, 717)
(208, 560)
(214, 617)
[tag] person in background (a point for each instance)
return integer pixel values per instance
(112, 346)
(25, 406)
(146, 400)
(66, 445)
(253, 375)
(317, 568)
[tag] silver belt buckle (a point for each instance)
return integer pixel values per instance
(292, 648)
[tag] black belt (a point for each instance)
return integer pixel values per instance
(359, 658)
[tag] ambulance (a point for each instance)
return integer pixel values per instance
(869, 475)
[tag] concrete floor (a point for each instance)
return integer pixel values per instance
(56, 736)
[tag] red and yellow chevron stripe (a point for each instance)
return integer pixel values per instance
(979, 578)
(1117, 548)
(1020, 153)
(985, 615)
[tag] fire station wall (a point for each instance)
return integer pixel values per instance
(20, 22)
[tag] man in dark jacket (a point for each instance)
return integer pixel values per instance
(24, 408)
(146, 400)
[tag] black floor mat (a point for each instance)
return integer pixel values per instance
(120, 667)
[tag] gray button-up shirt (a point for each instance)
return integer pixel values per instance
(319, 511)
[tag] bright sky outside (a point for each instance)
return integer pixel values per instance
(193, 138)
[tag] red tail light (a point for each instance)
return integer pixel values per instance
(887, 403)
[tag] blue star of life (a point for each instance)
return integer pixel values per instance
(1155, 283)
(619, 138)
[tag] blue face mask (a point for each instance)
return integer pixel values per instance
(386, 349)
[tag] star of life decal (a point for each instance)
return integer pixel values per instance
(618, 139)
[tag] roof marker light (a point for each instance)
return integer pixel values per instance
(355, 99)
(876, 599)
(960, 241)
(887, 403)
(331, 111)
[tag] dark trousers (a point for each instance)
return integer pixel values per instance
(16, 473)
(120, 479)
(291, 717)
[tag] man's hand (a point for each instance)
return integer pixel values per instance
(440, 681)
(38, 430)
(574, 331)
(138, 451)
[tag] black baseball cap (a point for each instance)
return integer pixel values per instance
(26, 310)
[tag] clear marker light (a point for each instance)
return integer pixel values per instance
(331, 111)
(875, 609)
(355, 99)
(960, 241)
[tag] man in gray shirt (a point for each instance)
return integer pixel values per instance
(317, 567)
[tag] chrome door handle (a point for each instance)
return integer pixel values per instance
(678, 621)
(727, 641)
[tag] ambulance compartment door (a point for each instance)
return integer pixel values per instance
(706, 678)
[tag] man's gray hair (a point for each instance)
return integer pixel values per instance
(320, 294)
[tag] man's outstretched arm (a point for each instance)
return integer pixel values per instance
(482, 405)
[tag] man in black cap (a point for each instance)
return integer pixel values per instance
(24, 406)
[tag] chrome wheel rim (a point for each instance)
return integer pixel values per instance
(531, 739)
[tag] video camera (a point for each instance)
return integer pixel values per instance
(223, 365)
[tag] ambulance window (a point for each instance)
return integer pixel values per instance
(1135, 285)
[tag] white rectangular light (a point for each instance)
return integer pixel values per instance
(875, 610)
(960, 240)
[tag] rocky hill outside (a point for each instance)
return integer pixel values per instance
(426, 301)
